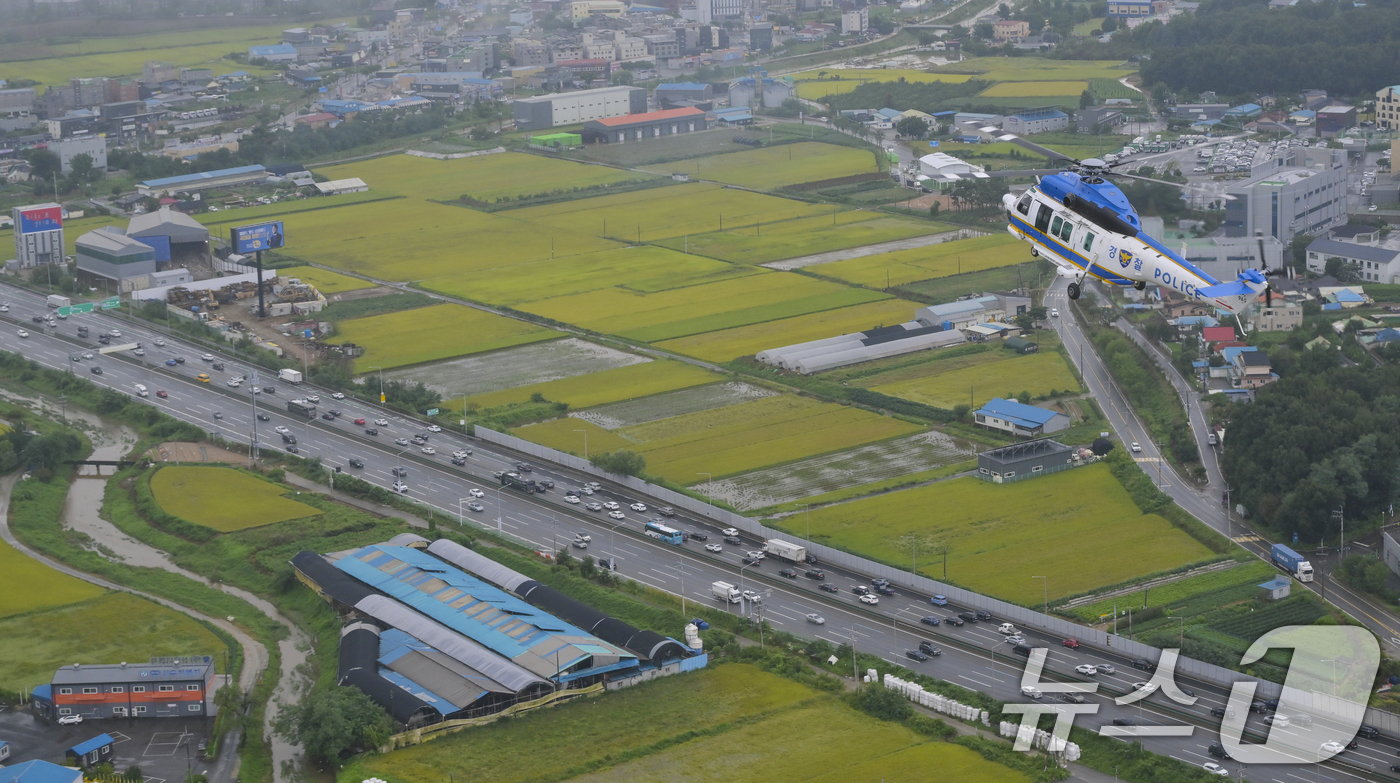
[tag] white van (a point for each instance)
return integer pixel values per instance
(141, 390)
(1007, 628)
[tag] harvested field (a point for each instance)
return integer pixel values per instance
(665, 315)
(437, 332)
(521, 366)
(485, 177)
(605, 386)
(830, 472)
(728, 344)
(676, 403)
(770, 168)
(750, 244)
(908, 266)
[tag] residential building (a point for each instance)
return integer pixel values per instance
(635, 127)
(1251, 369)
(179, 688)
(1018, 419)
(94, 147)
(159, 72)
(855, 21)
(567, 108)
(530, 53)
(17, 102)
(1376, 262)
(1024, 460)
(1301, 191)
(1010, 29)
(629, 49)
(1198, 112)
(1129, 9)
(1032, 121)
(1388, 108)
(1278, 314)
(1175, 306)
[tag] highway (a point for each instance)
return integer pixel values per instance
(975, 656)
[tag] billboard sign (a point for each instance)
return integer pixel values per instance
(261, 236)
(32, 221)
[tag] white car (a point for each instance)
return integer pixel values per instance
(234, 383)
(459, 454)
(639, 507)
(729, 531)
(257, 390)
(1087, 669)
(617, 515)
(313, 398)
(1277, 720)
(816, 619)
(572, 499)
(587, 490)
(159, 343)
(4, 308)
(611, 506)
(714, 548)
(594, 506)
(381, 422)
(434, 428)
(208, 357)
(115, 333)
(1031, 692)
(428, 450)
(140, 351)
(476, 493)
(280, 430)
(754, 555)
(1215, 769)
(22, 333)
(87, 354)
(68, 720)
(1148, 688)
(870, 598)
(1333, 747)
(1135, 447)
(1054, 313)
(475, 506)
(1015, 638)
(753, 597)
(337, 396)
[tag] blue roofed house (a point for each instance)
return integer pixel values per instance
(4, 750)
(1276, 589)
(276, 53)
(1243, 112)
(39, 771)
(1018, 419)
(93, 751)
(1048, 118)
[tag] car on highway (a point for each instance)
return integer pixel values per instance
(956, 622)
(75, 357)
(1147, 666)
(938, 600)
(115, 333)
(870, 598)
(983, 615)
(698, 536)
(428, 450)
(815, 573)
(1087, 669)
(280, 430)
(611, 505)
(617, 515)
(638, 507)
(594, 506)
(1072, 698)
(929, 648)
(218, 414)
(577, 544)
(95, 370)
(1147, 687)
(140, 351)
(434, 428)
(360, 422)
(203, 377)
(816, 619)
(1073, 644)
(68, 720)
(788, 572)
(398, 471)
(220, 367)
(1015, 638)
(714, 548)
(234, 383)
(1217, 750)
(828, 587)
(475, 506)
(403, 442)
(968, 616)
(930, 620)
(733, 540)
(1277, 720)
(1031, 692)
(1135, 447)
(749, 561)
(208, 357)
(915, 655)
(1215, 769)
(312, 398)
(169, 362)
(571, 499)
(755, 554)
(22, 333)
(462, 453)
(264, 417)
(162, 393)
(158, 342)
(381, 422)
(337, 396)
(1222, 712)
(1105, 668)
(729, 531)
(181, 360)
(586, 490)
(355, 463)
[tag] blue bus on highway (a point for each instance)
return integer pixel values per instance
(661, 532)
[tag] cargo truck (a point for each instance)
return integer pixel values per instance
(516, 481)
(726, 592)
(1292, 562)
(790, 552)
(55, 300)
(289, 376)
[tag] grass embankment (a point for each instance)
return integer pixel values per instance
(202, 495)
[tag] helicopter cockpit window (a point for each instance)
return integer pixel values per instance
(1024, 205)
(1088, 241)
(1042, 217)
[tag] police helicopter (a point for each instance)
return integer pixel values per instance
(1084, 224)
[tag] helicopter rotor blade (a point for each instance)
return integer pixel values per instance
(1024, 173)
(1186, 186)
(1052, 155)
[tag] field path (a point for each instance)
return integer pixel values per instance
(875, 249)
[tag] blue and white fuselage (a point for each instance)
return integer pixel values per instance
(1088, 229)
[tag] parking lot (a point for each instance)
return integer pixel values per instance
(164, 748)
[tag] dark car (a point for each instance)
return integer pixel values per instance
(752, 561)
(698, 536)
(1258, 707)
(398, 471)
(828, 587)
(327, 416)
(220, 366)
(38, 319)
(268, 389)
(95, 370)
(877, 581)
(458, 461)
(787, 572)
(884, 589)
(1369, 732)
(178, 359)
(984, 616)
(860, 590)
(104, 339)
(372, 431)
(1395, 767)
(1146, 665)
(1271, 704)
(1217, 750)
(1186, 690)
(956, 622)
(1022, 649)
(735, 540)
(968, 616)
(292, 447)
(1124, 722)
(929, 648)
(335, 414)
(917, 655)
(1072, 698)
(288, 437)
(667, 511)
(930, 620)
(815, 573)
(354, 463)
(264, 417)
(1218, 712)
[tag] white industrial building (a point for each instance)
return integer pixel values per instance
(939, 170)
(1302, 190)
(92, 146)
(568, 108)
(337, 187)
(846, 349)
(855, 21)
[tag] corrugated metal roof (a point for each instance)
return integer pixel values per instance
(84, 748)
(203, 175)
(476, 564)
(651, 116)
(40, 771)
(1017, 412)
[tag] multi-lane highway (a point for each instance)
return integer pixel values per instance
(975, 655)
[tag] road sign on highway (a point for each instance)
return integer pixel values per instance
(431, 411)
(76, 309)
(111, 303)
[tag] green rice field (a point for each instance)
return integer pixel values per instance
(836, 230)
(18, 575)
(606, 386)
(770, 168)
(484, 178)
(326, 281)
(977, 379)
(441, 331)
(947, 258)
(200, 494)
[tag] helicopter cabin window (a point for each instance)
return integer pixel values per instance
(1055, 226)
(1042, 217)
(1066, 230)
(1024, 205)
(1088, 241)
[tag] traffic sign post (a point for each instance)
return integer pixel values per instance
(111, 303)
(76, 309)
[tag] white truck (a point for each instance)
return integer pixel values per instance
(55, 300)
(726, 592)
(786, 551)
(289, 376)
